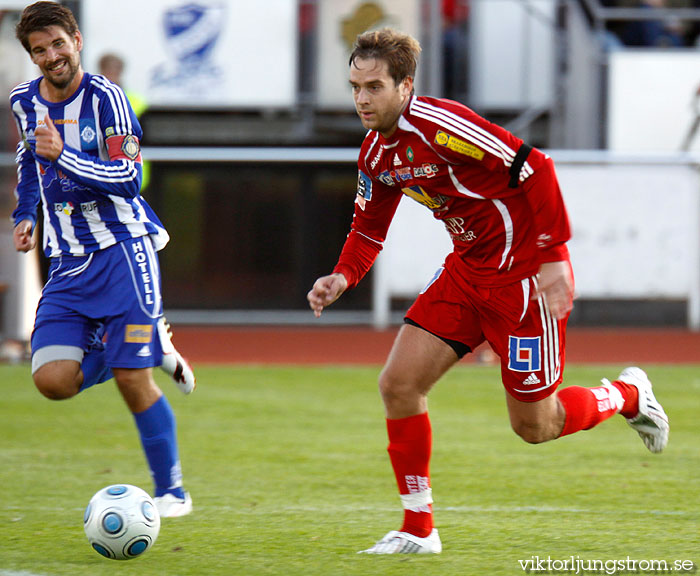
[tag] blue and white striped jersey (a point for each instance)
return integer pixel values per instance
(90, 202)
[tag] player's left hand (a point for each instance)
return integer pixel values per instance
(49, 143)
(556, 284)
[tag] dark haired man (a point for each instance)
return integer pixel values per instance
(508, 280)
(100, 313)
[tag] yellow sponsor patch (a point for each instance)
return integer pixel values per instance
(460, 146)
(138, 333)
(420, 196)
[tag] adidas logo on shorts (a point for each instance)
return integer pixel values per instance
(531, 380)
(145, 352)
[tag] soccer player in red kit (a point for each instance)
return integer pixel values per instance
(508, 280)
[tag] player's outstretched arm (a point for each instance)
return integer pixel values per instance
(325, 291)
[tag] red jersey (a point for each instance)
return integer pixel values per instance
(503, 222)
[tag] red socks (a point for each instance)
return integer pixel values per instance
(631, 395)
(411, 439)
(588, 407)
(410, 445)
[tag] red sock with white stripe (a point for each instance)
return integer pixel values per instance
(410, 445)
(588, 407)
(631, 396)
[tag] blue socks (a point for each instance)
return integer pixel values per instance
(156, 426)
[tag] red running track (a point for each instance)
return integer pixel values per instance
(324, 345)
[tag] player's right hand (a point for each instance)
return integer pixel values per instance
(325, 291)
(49, 143)
(23, 237)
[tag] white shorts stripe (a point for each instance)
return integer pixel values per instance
(525, 282)
(550, 340)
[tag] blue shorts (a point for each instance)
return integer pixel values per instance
(118, 287)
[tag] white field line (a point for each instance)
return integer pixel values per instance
(270, 509)
(19, 573)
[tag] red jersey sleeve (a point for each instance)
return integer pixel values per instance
(375, 206)
(543, 194)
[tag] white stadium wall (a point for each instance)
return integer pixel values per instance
(512, 61)
(339, 23)
(653, 99)
(212, 53)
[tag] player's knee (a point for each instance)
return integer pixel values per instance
(55, 386)
(137, 387)
(393, 386)
(56, 371)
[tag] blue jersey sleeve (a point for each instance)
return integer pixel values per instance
(121, 174)
(117, 117)
(27, 190)
(112, 177)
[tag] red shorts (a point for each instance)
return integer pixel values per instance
(528, 340)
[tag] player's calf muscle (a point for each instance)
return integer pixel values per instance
(537, 422)
(536, 432)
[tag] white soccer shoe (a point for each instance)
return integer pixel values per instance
(170, 506)
(651, 423)
(404, 543)
(173, 363)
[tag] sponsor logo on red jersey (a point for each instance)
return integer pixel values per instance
(458, 145)
(364, 189)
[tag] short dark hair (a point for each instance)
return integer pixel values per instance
(400, 51)
(41, 15)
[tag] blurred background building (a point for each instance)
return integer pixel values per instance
(251, 139)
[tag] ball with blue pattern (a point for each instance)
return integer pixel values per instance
(121, 522)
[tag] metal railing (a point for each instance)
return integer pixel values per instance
(319, 156)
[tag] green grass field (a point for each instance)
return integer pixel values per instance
(289, 475)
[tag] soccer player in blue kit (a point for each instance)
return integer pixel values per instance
(100, 314)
